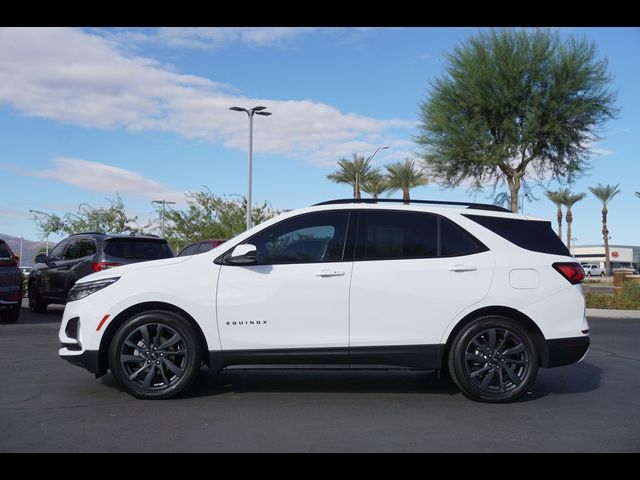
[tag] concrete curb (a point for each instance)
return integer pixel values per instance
(615, 314)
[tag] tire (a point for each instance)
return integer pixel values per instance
(602, 274)
(159, 373)
(36, 303)
(11, 315)
(479, 366)
(588, 274)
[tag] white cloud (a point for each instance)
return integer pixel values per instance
(601, 152)
(102, 178)
(72, 76)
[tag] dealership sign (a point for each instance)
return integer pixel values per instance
(615, 254)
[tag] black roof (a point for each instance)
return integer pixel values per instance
(471, 205)
(118, 235)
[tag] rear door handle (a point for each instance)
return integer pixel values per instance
(462, 268)
(329, 273)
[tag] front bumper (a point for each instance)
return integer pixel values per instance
(89, 359)
(564, 351)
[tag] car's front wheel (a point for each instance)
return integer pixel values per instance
(155, 355)
(493, 359)
(36, 303)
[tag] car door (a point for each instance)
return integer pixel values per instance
(82, 265)
(48, 274)
(59, 272)
(413, 273)
(292, 305)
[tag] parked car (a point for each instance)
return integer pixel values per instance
(200, 247)
(83, 254)
(593, 270)
(488, 294)
(10, 285)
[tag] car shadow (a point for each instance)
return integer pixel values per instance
(579, 378)
(53, 314)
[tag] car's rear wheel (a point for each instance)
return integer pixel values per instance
(155, 355)
(493, 359)
(11, 315)
(602, 274)
(36, 303)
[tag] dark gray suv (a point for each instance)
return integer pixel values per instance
(10, 285)
(82, 254)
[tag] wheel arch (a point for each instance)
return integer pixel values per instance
(499, 310)
(126, 314)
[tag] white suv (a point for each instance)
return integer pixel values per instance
(592, 270)
(473, 289)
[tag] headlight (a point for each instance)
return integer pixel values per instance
(81, 290)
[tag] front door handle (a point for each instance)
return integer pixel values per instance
(329, 273)
(462, 268)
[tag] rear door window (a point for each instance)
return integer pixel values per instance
(137, 249)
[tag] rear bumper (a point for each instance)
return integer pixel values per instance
(564, 351)
(89, 359)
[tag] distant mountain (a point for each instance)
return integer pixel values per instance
(29, 248)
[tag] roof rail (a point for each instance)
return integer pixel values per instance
(471, 205)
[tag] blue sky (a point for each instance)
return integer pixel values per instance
(88, 112)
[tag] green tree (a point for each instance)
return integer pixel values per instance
(557, 197)
(605, 194)
(208, 216)
(569, 199)
(405, 176)
(111, 219)
(375, 184)
(353, 172)
(513, 103)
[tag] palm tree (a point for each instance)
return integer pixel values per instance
(638, 194)
(354, 172)
(557, 198)
(375, 184)
(605, 193)
(405, 176)
(569, 200)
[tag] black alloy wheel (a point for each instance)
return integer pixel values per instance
(36, 303)
(155, 355)
(493, 359)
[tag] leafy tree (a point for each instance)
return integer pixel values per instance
(513, 103)
(605, 193)
(405, 176)
(111, 219)
(569, 199)
(557, 197)
(353, 172)
(375, 184)
(208, 216)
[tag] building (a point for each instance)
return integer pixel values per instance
(619, 255)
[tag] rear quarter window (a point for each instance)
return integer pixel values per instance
(5, 252)
(534, 235)
(129, 248)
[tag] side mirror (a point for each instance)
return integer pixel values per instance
(245, 254)
(42, 258)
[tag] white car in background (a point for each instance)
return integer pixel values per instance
(474, 289)
(592, 270)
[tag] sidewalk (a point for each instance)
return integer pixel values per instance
(617, 314)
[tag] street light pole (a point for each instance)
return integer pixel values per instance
(164, 203)
(250, 113)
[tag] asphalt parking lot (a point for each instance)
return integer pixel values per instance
(48, 405)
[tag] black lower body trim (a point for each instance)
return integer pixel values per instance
(564, 351)
(425, 357)
(89, 360)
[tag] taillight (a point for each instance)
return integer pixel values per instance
(572, 271)
(99, 266)
(8, 262)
